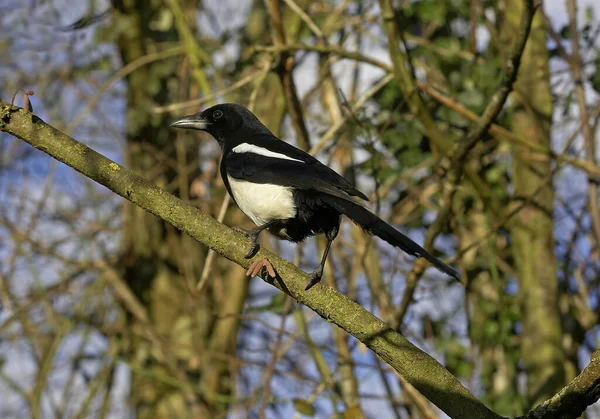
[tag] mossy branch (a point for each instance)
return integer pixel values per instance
(574, 398)
(414, 365)
(417, 367)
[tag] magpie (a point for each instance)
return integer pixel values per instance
(286, 191)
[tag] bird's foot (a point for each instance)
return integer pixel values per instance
(315, 278)
(253, 236)
(241, 230)
(258, 265)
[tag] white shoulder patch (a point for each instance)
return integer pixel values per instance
(251, 148)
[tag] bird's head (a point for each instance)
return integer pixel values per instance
(225, 122)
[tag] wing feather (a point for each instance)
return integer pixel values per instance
(310, 174)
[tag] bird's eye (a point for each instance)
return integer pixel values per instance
(217, 114)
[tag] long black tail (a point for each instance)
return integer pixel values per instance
(376, 226)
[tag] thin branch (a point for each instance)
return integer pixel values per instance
(497, 101)
(285, 72)
(122, 73)
(586, 129)
(277, 352)
(210, 97)
(192, 49)
(305, 18)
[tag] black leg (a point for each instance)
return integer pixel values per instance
(253, 235)
(317, 274)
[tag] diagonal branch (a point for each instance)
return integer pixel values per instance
(416, 366)
(575, 397)
(509, 75)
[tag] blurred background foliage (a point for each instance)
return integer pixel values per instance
(108, 312)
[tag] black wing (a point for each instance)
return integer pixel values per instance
(307, 174)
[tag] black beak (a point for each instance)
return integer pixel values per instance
(195, 121)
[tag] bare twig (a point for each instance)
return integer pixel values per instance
(123, 72)
(277, 352)
(208, 98)
(586, 129)
(497, 101)
(285, 71)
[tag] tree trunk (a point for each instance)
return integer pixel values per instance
(161, 265)
(533, 228)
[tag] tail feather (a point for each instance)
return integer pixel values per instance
(377, 227)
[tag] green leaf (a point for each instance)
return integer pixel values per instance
(595, 79)
(494, 174)
(304, 407)
(448, 43)
(431, 10)
(353, 413)
(568, 103)
(589, 15)
(472, 99)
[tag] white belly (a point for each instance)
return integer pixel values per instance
(263, 202)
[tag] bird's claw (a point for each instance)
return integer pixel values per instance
(315, 278)
(253, 249)
(258, 265)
